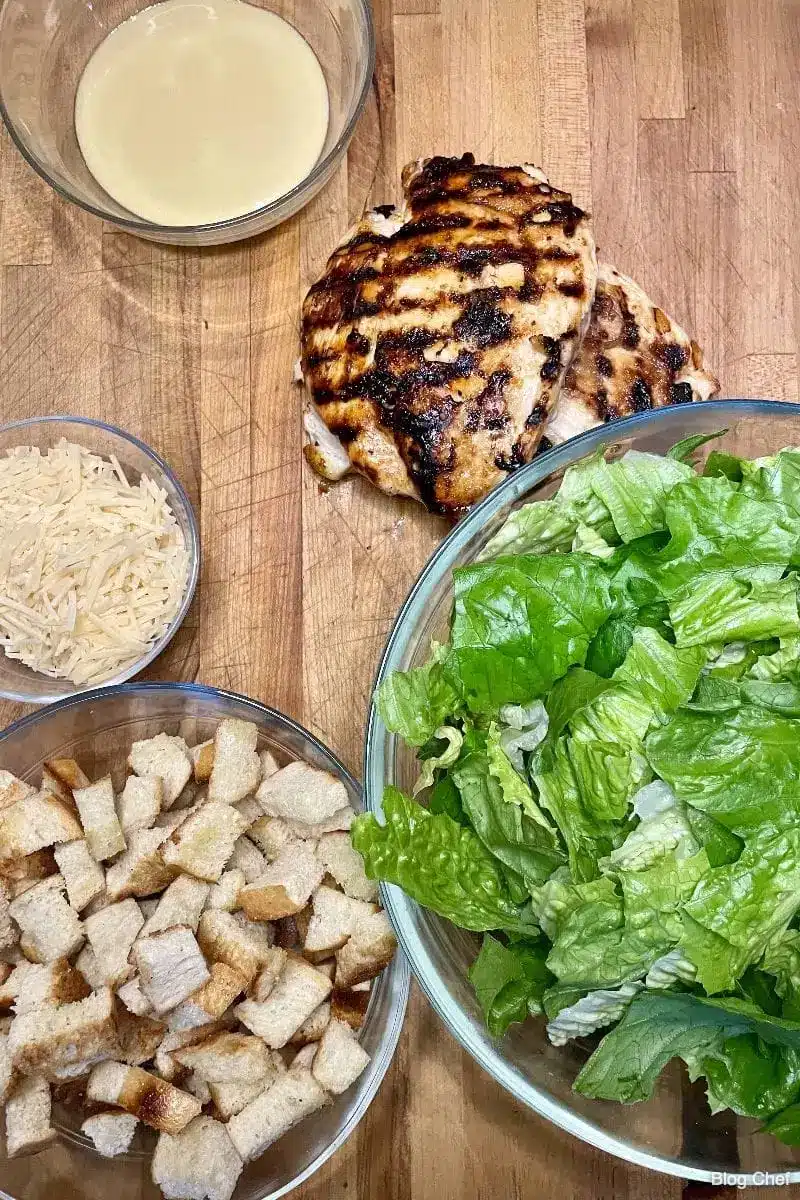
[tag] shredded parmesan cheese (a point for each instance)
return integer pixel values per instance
(92, 568)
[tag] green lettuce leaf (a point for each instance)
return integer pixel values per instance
(445, 749)
(749, 1076)
(738, 606)
(591, 1012)
(685, 449)
(572, 692)
(782, 960)
(440, 864)
(513, 787)
(715, 695)
(634, 489)
(415, 703)
(520, 623)
(664, 675)
(559, 897)
(738, 659)
(783, 663)
(780, 697)
(785, 1126)
(609, 646)
(509, 981)
(587, 839)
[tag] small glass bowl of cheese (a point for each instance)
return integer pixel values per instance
(99, 557)
(192, 122)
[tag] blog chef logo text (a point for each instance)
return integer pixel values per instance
(752, 1179)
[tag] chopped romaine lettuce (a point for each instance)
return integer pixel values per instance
(591, 1012)
(509, 981)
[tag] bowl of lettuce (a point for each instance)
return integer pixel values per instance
(583, 787)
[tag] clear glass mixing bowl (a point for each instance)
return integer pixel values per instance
(674, 1131)
(45, 45)
(97, 729)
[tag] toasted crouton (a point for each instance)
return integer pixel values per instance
(285, 886)
(50, 928)
(83, 877)
(247, 858)
(166, 758)
(34, 823)
(349, 1006)
(202, 757)
(204, 842)
(271, 835)
(370, 948)
(269, 974)
(66, 772)
(154, 1101)
(237, 768)
(304, 1058)
(226, 1058)
(56, 982)
(111, 933)
(141, 870)
(313, 1027)
(342, 819)
(139, 802)
(269, 766)
(341, 860)
(28, 1128)
(138, 1037)
(99, 819)
(60, 1035)
(111, 1132)
(300, 792)
(13, 790)
(292, 1097)
(171, 966)
(134, 999)
(86, 962)
(335, 917)
(199, 1164)
(234, 939)
(181, 904)
(17, 875)
(339, 1059)
(209, 1001)
(225, 894)
(231, 1098)
(300, 989)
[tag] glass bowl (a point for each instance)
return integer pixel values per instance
(20, 683)
(673, 1132)
(45, 45)
(97, 729)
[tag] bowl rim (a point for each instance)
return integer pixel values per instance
(192, 548)
(233, 225)
(399, 964)
(398, 905)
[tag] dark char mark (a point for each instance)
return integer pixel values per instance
(641, 397)
(552, 365)
(680, 393)
(482, 323)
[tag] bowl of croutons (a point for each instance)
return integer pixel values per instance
(199, 991)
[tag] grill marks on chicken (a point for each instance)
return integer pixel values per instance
(633, 358)
(436, 342)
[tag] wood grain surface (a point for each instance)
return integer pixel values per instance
(676, 123)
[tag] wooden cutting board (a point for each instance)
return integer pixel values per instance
(675, 122)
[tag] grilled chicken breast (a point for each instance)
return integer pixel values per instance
(436, 342)
(633, 357)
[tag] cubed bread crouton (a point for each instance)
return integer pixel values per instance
(342, 819)
(210, 1001)
(111, 1132)
(50, 928)
(231, 1098)
(28, 1128)
(8, 986)
(199, 1164)
(171, 966)
(285, 886)
(111, 933)
(35, 822)
(313, 1027)
(247, 858)
(139, 1037)
(17, 875)
(271, 835)
(225, 894)
(335, 917)
(198, 1087)
(249, 809)
(269, 974)
(148, 905)
(299, 990)
(56, 982)
(166, 758)
(134, 999)
(12, 790)
(6, 1069)
(202, 757)
(287, 935)
(300, 792)
(292, 1097)
(369, 949)
(154, 1101)
(350, 1006)
(269, 766)
(84, 878)
(86, 962)
(304, 1058)
(226, 1058)
(98, 815)
(66, 772)
(341, 860)
(234, 939)
(52, 1036)
(139, 802)
(9, 935)
(100, 901)
(141, 870)
(204, 842)
(237, 768)
(339, 1059)
(181, 904)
